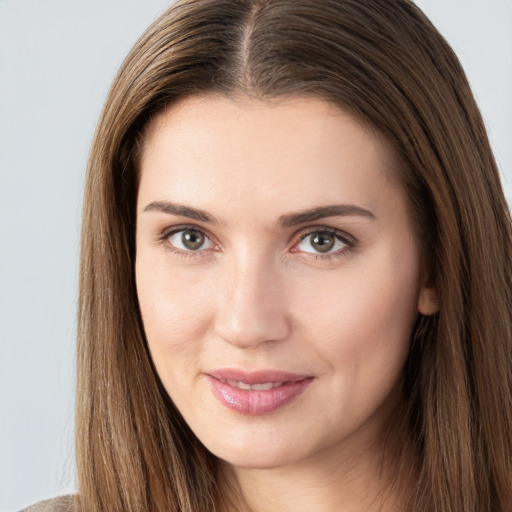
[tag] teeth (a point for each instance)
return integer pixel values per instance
(240, 385)
(264, 387)
(256, 387)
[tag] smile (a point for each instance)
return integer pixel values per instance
(256, 393)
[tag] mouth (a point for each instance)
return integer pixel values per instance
(256, 393)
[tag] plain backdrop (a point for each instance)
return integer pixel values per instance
(57, 59)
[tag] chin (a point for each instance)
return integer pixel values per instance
(258, 456)
(258, 461)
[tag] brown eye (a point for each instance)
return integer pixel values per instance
(322, 242)
(192, 240)
(189, 240)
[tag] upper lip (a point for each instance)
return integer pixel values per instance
(256, 377)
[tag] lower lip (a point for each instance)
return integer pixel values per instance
(256, 402)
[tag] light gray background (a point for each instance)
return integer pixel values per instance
(57, 59)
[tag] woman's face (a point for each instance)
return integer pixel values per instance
(277, 273)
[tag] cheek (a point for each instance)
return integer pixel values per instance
(363, 321)
(174, 313)
(363, 336)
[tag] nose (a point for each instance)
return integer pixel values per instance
(252, 308)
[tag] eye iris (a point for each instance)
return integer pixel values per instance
(192, 240)
(322, 242)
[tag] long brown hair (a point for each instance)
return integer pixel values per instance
(386, 64)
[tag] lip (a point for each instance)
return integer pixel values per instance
(256, 401)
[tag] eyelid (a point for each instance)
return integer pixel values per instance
(350, 241)
(163, 237)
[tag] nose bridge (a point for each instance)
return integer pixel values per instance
(252, 309)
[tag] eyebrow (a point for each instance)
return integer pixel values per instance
(181, 210)
(285, 221)
(336, 210)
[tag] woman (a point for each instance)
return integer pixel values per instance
(296, 270)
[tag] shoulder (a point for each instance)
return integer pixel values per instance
(60, 504)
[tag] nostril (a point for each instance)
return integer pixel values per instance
(251, 327)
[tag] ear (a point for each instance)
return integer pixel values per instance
(428, 300)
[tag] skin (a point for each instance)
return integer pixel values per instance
(258, 295)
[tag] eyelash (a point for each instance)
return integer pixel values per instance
(349, 241)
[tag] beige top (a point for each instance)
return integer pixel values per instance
(60, 504)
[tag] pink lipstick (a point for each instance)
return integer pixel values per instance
(256, 393)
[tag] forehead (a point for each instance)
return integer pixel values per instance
(302, 150)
